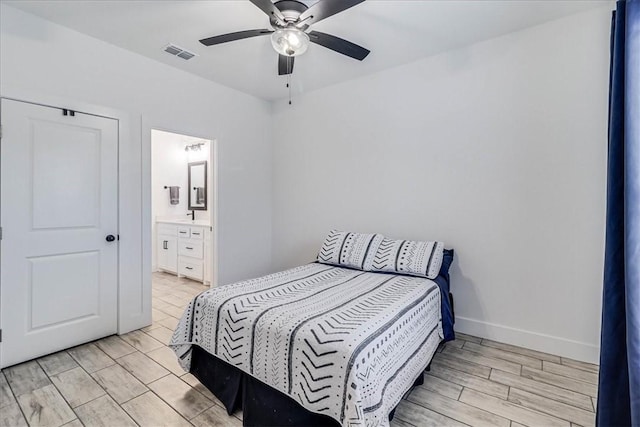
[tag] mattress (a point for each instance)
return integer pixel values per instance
(341, 342)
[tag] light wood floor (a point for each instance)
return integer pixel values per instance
(135, 379)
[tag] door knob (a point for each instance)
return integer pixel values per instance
(111, 238)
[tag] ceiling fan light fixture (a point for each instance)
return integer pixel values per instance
(290, 41)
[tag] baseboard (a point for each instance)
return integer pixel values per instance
(535, 341)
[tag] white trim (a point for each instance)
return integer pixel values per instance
(533, 340)
(213, 212)
(134, 294)
(147, 126)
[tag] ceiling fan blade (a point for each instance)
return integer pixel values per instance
(285, 65)
(324, 9)
(339, 45)
(269, 8)
(234, 36)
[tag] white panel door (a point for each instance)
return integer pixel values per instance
(59, 189)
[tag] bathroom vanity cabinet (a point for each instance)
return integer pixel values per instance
(184, 249)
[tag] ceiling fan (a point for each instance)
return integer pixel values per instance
(290, 34)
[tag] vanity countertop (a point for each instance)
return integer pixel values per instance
(200, 222)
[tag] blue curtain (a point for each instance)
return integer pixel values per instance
(619, 382)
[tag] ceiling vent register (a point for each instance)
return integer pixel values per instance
(179, 52)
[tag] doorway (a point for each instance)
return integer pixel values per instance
(183, 208)
(59, 210)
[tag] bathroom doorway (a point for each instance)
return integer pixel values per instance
(183, 214)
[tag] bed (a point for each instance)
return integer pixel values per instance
(317, 344)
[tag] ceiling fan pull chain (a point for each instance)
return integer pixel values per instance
(289, 86)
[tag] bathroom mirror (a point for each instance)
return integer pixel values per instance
(198, 186)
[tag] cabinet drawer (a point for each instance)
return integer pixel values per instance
(184, 232)
(186, 268)
(190, 248)
(197, 233)
(167, 229)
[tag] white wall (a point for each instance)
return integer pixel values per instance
(48, 60)
(497, 149)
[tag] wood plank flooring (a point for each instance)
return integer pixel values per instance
(135, 380)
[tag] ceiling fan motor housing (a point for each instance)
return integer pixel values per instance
(291, 10)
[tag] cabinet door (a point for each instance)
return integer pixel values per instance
(168, 253)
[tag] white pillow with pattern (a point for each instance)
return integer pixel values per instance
(409, 257)
(348, 249)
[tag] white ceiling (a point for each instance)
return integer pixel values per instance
(396, 32)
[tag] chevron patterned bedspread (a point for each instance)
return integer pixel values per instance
(341, 342)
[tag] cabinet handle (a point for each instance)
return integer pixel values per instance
(189, 268)
(187, 247)
(183, 232)
(164, 245)
(196, 234)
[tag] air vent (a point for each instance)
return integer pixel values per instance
(179, 52)
(186, 55)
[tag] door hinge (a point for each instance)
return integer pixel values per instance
(0, 233)
(0, 335)
(0, 132)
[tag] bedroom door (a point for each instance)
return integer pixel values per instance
(59, 247)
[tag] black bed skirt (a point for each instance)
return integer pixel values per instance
(261, 404)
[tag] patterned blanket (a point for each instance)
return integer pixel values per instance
(341, 342)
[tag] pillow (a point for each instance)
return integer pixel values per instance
(406, 257)
(347, 249)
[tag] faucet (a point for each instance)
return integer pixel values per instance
(193, 215)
